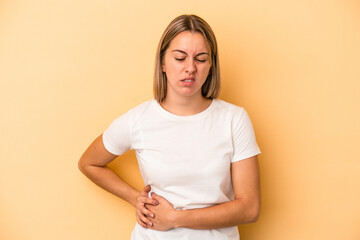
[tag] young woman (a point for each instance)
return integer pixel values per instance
(197, 154)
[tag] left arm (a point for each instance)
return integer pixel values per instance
(245, 208)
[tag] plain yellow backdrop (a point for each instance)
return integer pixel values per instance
(68, 68)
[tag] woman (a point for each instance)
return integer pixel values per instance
(197, 154)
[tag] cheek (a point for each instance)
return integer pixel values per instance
(173, 68)
(205, 70)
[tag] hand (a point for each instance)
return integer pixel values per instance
(142, 213)
(165, 214)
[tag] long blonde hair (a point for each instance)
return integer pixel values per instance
(192, 23)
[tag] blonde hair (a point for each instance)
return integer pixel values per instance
(192, 23)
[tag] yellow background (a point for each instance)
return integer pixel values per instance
(68, 68)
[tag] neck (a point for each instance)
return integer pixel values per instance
(185, 106)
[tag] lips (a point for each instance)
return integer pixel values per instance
(187, 82)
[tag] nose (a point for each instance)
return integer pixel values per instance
(190, 66)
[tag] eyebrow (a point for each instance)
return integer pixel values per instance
(181, 51)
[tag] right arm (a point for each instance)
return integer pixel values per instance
(93, 163)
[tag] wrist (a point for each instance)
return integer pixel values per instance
(133, 199)
(177, 220)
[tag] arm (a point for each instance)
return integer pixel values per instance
(245, 208)
(93, 164)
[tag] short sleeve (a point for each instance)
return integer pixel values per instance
(117, 137)
(243, 137)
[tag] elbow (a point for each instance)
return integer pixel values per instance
(254, 216)
(251, 212)
(254, 213)
(82, 166)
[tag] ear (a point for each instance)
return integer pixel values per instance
(163, 67)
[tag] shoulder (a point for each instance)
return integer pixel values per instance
(137, 111)
(224, 107)
(142, 107)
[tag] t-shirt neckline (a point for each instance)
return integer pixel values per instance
(184, 118)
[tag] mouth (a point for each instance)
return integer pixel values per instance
(188, 80)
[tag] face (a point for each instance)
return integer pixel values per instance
(186, 65)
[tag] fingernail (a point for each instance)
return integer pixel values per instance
(152, 215)
(156, 203)
(150, 223)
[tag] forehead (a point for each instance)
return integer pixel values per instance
(189, 42)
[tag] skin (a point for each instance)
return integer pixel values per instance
(187, 57)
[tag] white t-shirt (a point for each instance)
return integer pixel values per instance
(185, 159)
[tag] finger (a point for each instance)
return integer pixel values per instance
(151, 208)
(146, 221)
(146, 190)
(143, 220)
(156, 197)
(141, 223)
(147, 213)
(147, 200)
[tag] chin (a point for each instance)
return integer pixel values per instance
(189, 94)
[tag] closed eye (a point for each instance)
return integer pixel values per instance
(200, 60)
